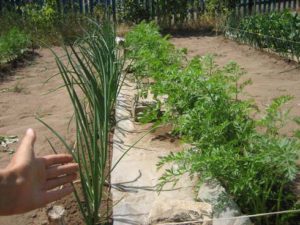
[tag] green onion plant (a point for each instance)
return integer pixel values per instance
(92, 77)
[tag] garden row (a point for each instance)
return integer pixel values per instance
(254, 163)
(279, 32)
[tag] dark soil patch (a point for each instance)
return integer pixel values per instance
(8, 69)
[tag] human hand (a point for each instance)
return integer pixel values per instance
(31, 182)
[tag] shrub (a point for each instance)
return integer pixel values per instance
(13, 44)
(278, 31)
(133, 11)
(40, 15)
(44, 22)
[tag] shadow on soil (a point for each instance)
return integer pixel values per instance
(7, 70)
(184, 33)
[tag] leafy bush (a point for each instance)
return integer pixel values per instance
(13, 44)
(179, 9)
(40, 19)
(252, 161)
(40, 15)
(167, 13)
(133, 11)
(44, 22)
(279, 31)
(223, 6)
(171, 12)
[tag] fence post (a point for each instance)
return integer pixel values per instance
(147, 8)
(80, 6)
(269, 5)
(91, 4)
(274, 5)
(58, 8)
(245, 7)
(239, 9)
(114, 10)
(63, 7)
(284, 4)
(250, 6)
(156, 10)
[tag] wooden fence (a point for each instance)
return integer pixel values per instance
(248, 7)
(158, 8)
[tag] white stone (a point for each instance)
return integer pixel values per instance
(174, 210)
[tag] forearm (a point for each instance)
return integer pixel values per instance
(8, 195)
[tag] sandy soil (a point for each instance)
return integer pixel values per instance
(22, 96)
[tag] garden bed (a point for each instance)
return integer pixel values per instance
(233, 141)
(271, 77)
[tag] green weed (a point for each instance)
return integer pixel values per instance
(18, 88)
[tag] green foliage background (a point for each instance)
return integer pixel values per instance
(13, 44)
(278, 31)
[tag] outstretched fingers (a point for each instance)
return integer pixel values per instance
(59, 170)
(51, 160)
(54, 183)
(54, 195)
(25, 151)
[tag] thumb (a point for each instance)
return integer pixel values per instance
(25, 150)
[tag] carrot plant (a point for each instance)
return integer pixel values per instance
(144, 44)
(249, 157)
(92, 77)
